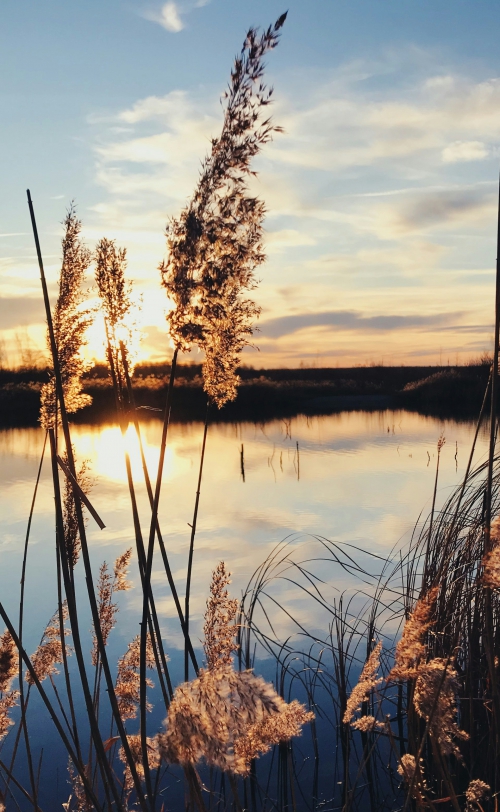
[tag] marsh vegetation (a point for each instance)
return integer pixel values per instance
(397, 692)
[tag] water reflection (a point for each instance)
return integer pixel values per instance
(354, 477)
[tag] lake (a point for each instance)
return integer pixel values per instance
(354, 478)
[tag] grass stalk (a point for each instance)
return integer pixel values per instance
(72, 754)
(149, 489)
(489, 636)
(87, 565)
(191, 542)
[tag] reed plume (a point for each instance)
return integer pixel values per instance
(368, 681)
(491, 561)
(107, 585)
(226, 717)
(70, 321)
(8, 701)
(219, 628)
(8, 661)
(434, 699)
(476, 792)
(127, 687)
(216, 243)
(154, 759)
(8, 670)
(115, 294)
(70, 518)
(411, 648)
(78, 800)
(50, 651)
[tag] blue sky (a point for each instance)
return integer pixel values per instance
(381, 193)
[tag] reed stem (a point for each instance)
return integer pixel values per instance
(191, 542)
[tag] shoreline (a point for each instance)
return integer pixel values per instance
(263, 394)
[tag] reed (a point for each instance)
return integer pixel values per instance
(398, 694)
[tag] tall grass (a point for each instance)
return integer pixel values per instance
(399, 690)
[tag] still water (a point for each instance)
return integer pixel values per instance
(357, 478)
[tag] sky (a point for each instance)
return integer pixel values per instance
(381, 193)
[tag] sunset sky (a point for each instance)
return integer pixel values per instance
(381, 193)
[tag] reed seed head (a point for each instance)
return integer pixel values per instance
(407, 766)
(78, 800)
(7, 702)
(50, 651)
(154, 759)
(219, 628)
(491, 561)
(8, 661)
(107, 585)
(216, 244)
(70, 518)
(127, 687)
(476, 792)
(368, 681)
(70, 320)
(115, 294)
(411, 648)
(412, 774)
(434, 699)
(226, 717)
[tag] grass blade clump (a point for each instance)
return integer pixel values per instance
(216, 243)
(70, 320)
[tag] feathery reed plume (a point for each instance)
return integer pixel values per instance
(154, 759)
(226, 717)
(367, 682)
(216, 243)
(8, 661)
(50, 651)
(70, 322)
(107, 585)
(115, 294)
(410, 648)
(8, 670)
(127, 681)
(407, 767)
(77, 801)
(476, 792)
(7, 702)
(434, 700)
(70, 519)
(413, 776)
(491, 561)
(219, 627)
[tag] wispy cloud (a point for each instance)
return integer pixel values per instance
(168, 16)
(464, 151)
(351, 320)
(370, 198)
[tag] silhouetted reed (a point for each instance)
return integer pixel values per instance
(71, 321)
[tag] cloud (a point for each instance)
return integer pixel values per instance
(464, 151)
(350, 320)
(368, 195)
(446, 207)
(169, 17)
(17, 311)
